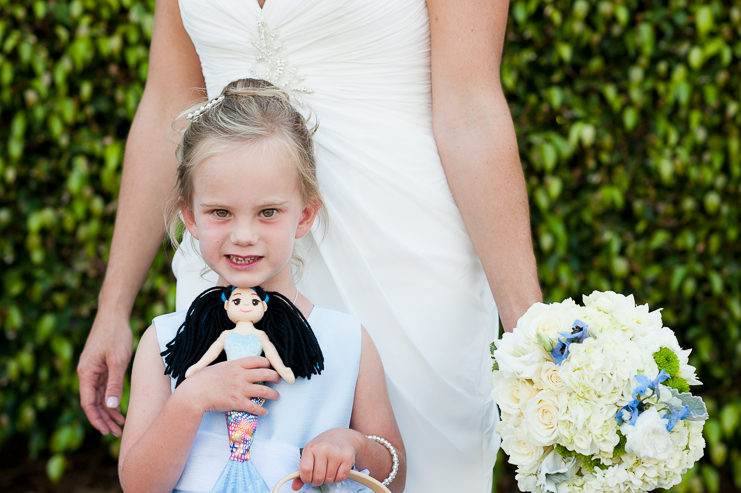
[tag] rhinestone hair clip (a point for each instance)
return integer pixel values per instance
(202, 109)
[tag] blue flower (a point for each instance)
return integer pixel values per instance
(577, 335)
(675, 415)
(631, 408)
(645, 384)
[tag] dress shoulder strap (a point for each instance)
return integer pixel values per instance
(166, 327)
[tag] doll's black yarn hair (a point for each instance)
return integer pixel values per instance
(284, 324)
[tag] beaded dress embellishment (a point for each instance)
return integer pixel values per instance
(272, 67)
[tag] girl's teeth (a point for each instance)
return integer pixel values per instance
(242, 260)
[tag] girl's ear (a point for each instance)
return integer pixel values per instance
(190, 220)
(307, 219)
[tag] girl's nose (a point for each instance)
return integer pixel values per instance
(244, 234)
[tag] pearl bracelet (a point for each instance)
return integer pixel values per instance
(394, 457)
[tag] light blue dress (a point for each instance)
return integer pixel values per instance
(306, 408)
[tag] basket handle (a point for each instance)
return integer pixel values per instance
(356, 476)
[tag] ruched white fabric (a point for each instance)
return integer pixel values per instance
(397, 253)
(306, 407)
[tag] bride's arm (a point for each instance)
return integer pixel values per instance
(173, 83)
(477, 144)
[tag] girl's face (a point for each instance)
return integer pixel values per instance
(247, 212)
(244, 305)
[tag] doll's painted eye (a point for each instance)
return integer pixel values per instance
(255, 302)
(236, 301)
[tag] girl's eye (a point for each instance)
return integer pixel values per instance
(221, 213)
(255, 302)
(268, 212)
(236, 301)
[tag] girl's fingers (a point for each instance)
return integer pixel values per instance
(306, 467)
(263, 375)
(261, 391)
(320, 470)
(333, 465)
(343, 471)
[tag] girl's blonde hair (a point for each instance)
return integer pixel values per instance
(252, 110)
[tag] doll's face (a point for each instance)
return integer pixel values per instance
(244, 305)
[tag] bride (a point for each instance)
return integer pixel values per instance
(418, 161)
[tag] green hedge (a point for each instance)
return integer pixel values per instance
(627, 115)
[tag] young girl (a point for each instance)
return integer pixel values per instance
(246, 190)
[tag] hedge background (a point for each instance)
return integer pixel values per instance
(627, 114)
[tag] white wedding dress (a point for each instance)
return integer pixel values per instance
(397, 253)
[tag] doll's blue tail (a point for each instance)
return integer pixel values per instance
(240, 477)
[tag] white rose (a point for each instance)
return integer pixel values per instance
(548, 377)
(648, 438)
(511, 394)
(517, 356)
(541, 416)
(547, 320)
(521, 450)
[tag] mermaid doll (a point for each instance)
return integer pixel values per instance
(243, 322)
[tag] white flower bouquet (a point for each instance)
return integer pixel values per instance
(595, 398)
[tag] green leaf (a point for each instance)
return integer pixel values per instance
(711, 477)
(712, 432)
(704, 20)
(55, 467)
(545, 341)
(519, 12)
(698, 411)
(695, 57)
(630, 118)
(730, 419)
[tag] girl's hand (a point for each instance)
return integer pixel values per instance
(231, 385)
(328, 458)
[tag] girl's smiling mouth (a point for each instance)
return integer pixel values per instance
(243, 262)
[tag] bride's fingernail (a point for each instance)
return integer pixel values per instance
(112, 402)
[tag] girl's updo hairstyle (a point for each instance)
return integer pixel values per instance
(252, 110)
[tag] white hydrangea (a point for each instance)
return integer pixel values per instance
(636, 319)
(602, 370)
